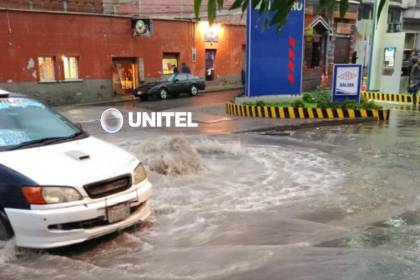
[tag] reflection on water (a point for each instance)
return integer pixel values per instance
(327, 203)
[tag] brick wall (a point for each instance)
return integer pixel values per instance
(86, 6)
(155, 7)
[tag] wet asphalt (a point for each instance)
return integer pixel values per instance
(339, 202)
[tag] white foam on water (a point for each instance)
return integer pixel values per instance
(213, 147)
(172, 156)
(178, 155)
(270, 176)
(7, 251)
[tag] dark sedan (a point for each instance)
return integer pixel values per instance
(171, 85)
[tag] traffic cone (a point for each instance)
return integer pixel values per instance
(364, 87)
(324, 79)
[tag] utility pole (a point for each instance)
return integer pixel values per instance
(139, 8)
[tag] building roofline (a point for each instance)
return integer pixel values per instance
(107, 15)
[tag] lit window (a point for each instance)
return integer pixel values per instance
(46, 68)
(71, 67)
(170, 63)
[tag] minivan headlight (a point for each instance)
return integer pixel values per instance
(139, 174)
(50, 195)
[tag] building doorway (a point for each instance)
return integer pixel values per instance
(316, 35)
(125, 75)
(342, 50)
(316, 54)
(210, 60)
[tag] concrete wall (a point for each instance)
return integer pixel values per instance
(64, 93)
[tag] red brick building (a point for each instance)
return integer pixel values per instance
(68, 58)
(69, 51)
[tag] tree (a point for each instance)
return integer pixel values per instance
(279, 8)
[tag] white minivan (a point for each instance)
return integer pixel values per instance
(58, 185)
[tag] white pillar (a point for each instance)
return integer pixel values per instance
(377, 48)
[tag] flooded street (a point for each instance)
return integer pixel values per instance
(327, 203)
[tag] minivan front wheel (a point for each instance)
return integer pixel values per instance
(163, 93)
(5, 230)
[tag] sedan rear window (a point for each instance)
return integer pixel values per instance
(24, 120)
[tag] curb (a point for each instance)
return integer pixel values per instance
(219, 89)
(392, 97)
(335, 122)
(303, 113)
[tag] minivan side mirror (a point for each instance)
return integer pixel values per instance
(176, 80)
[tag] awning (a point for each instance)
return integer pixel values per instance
(320, 25)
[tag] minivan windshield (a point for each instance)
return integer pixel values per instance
(25, 122)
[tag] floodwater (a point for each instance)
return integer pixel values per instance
(329, 203)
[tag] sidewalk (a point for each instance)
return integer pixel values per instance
(124, 98)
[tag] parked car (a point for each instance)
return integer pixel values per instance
(59, 186)
(171, 85)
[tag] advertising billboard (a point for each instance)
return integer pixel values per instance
(274, 62)
(347, 81)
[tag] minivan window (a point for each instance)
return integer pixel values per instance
(27, 121)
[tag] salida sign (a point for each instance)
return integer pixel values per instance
(274, 62)
(347, 82)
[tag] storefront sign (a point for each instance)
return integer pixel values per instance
(347, 82)
(274, 61)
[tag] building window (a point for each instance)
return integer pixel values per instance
(394, 20)
(71, 67)
(46, 68)
(169, 63)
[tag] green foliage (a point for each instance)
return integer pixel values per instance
(351, 104)
(371, 106)
(335, 105)
(344, 6)
(280, 8)
(320, 99)
(197, 7)
(260, 103)
(298, 103)
(308, 98)
(284, 104)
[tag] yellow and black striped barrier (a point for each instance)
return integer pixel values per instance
(303, 113)
(390, 97)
